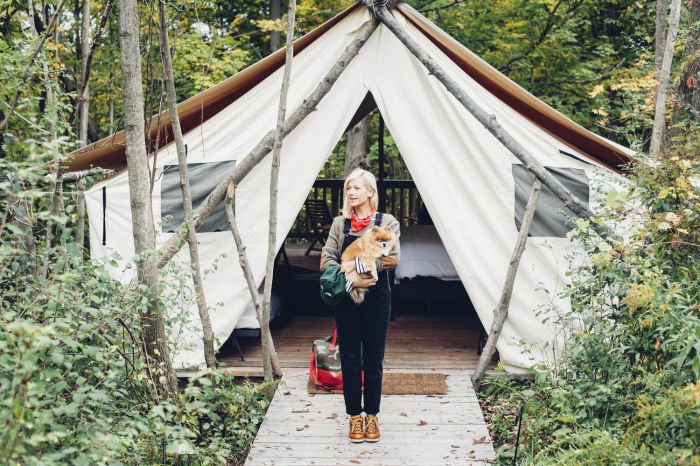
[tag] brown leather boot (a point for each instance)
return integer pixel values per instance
(357, 432)
(371, 428)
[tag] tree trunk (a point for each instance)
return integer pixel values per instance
(208, 334)
(657, 134)
(57, 163)
(275, 36)
(111, 80)
(153, 324)
(501, 312)
(84, 103)
(489, 121)
(357, 151)
(175, 242)
(660, 33)
(688, 105)
(274, 177)
(270, 362)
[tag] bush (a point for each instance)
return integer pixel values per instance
(75, 385)
(626, 388)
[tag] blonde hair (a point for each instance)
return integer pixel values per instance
(370, 183)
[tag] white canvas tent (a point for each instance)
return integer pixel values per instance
(467, 179)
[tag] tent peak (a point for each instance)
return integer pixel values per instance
(389, 4)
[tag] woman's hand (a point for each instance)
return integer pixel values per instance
(364, 282)
(347, 267)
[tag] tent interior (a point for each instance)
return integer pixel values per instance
(432, 314)
(472, 186)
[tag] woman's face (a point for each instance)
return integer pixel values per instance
(358, 193)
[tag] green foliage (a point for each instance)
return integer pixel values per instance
(626, 389)
(75, 385)
(587, 59)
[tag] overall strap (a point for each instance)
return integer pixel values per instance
(378, 219)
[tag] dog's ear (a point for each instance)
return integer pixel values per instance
(375, 229)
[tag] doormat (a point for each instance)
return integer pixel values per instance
(400, 383)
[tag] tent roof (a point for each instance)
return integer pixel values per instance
(110, 152)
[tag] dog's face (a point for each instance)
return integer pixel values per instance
(383, 238)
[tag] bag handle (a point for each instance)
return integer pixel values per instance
(335, 337)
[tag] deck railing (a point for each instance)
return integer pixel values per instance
(397, 197)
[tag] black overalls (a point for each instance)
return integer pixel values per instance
(362, 331)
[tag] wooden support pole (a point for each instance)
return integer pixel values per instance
(380, 187)
(264, 147)
(501, 312)
(72, 177)
(274, 181)
(195, 268)
(489, 121)
(272, 363)
(80, 203)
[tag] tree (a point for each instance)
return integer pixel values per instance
(84, 103)
(153, 333)
(357, 152)
(686, 109)
(659, 129)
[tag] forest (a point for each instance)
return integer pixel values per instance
(85, 372)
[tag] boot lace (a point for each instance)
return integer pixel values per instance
(372, 426)
(356, 425)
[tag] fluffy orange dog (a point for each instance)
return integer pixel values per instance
(373, 244)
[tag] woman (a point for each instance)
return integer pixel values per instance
(362, 328)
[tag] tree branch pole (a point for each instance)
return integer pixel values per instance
(72, 177)
(657, 133)
(152, 321)
(490, 123)
(30, 62)
(80, 205)
(270, 364)
(274, 178)
(501, 312)
(208, 334)
(176, 241)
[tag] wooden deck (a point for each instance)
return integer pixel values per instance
(303, 429)
(442, 342)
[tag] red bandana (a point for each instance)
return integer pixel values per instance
(357, 224)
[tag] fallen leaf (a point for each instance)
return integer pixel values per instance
(300, 411)
(478, 441)
(422, 423)
(355, 462)
(455, 446)
(332, 416)
(286, 392)
(403, 414)
(307, 426)
(299, 429)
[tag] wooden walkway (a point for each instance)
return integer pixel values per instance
(303, 429)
